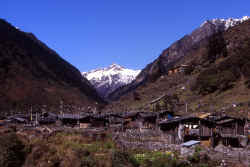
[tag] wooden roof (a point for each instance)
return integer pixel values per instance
(225, 121)
(186, 119)
(158, 99)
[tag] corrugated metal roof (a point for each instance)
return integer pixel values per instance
(20, 119)
(69, 116)
(190, 143)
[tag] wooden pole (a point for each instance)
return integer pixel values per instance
(236, 128)
(31, 114)
(36, 119)
(186, 107)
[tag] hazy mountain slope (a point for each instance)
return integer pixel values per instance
(176, 51)
(31, 73)
(106, 80)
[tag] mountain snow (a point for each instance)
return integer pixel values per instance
(106, 80)
(226, 23)
(213, 26)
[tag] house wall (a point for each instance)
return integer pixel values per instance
(236, 128)
(69, 121)
(205, 131)
(172, 132)
(149, 125)
(227, 130)
(178, 70)
(98, 123)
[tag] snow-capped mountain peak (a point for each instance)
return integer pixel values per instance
(213, 26)
(110, 78)
(115, 67)
(226, 23)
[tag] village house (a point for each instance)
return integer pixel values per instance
(231, 130)
(99, 121)
(179, 130)
(114, 118)
(2, 122)
(148, 120)
(247, 128)
(18, 119)
(179, 69)
(131, 121)
(155, 104)
(47, 118)
(139, 120)
(84, 121)
(115, 121)
(164, 103)
(207, 128)
(165, 115)
(229, 126)
(69, 119)
(144, 120)
(2, 117)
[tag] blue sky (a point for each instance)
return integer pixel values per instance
(95, 33)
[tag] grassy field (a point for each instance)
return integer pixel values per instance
(76, 150)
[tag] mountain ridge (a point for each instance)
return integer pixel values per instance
(217, 79)
(33, 74)
(176, 51)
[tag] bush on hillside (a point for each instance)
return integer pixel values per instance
(123, 159)
(223, 75)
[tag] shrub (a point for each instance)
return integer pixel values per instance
(136, 96)
(108, 145)
(159, 159)
(247, 83)
(12, 151)
(123, 159)
(223, 75)
(88, 162)
(216, 78)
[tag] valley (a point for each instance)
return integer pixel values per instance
(189, 107)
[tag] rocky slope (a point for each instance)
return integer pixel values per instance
(33, 74)
(176, 51)
(219, 80)
(106, 80)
